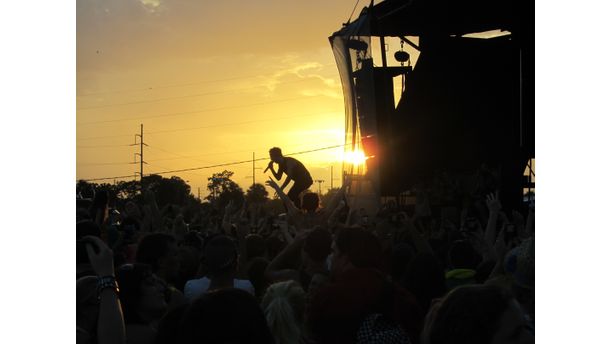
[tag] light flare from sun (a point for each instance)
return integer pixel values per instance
(356, 157)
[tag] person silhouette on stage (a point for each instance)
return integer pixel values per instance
(294, 170)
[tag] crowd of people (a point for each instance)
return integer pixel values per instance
(461, 273)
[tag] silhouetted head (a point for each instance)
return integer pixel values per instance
(274, 246)
(225, 316)
(310, 202)
(220, 256)
(462, 255)
(142, 294)
(169, 325)
(424, 278)
(84, 228)
(276, 154)
(256, 274)
(476, 314)
(160, 251)
(283, 305)
(317, 245)
(255, 246)
(355, 247)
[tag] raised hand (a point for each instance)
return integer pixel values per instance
(493, 203)
(271, 183)
(100, 256)
(501, 246)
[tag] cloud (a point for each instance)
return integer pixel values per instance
(151, 5)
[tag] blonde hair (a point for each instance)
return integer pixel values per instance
(283, 305)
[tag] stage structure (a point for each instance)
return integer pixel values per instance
(439, 87)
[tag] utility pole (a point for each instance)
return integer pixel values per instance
(199, 199)
(142, 162)
(141, 157)
(320, 181)
(253, 170)
(331, 178)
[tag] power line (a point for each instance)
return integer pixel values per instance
(186, 96)
(221, 165)
(198, 111)
(239, 123)
(204, 127)
(103, 146)
(105, 163)
(184, 84)
(104, 137)
(191, 157)
(116, 177)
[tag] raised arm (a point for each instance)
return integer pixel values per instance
(277, 174)
(283, 266)
(494, 206)
(157, 223)
(111, 328)
(291, 208)
(530, 227)
(335, 200)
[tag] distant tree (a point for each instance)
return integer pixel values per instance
(257, 193)
(127, 190)
(173, 190)
(223, 189)
(325, 198)
(85, 189)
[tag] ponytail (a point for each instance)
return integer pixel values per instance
(283, 306)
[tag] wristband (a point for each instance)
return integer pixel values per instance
(105, 282)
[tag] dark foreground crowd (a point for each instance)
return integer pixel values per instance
(460, 274)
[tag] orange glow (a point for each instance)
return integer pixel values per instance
(201, 106)
(356, 157)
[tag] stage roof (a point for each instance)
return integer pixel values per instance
(437, 17)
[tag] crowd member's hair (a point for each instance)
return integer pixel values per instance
(483, 271)
(84, 228)
(318, 244)
(276, 151)
(274, 246)
(193, 239)
(224, 316)
(256, 274)
(87, 227)
(130, 278)
(310, 202)
(338, 310)
(255, 246)
(361, 247)
(462, 255)
(283, 306)
(425, 279)
(167, 330)
(401, 255)
(153, 247)
(468, 314)
(220, 256)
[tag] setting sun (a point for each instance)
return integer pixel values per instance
(356, 157)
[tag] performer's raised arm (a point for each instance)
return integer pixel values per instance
(278, 175)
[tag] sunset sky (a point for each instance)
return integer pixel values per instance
(211, 82)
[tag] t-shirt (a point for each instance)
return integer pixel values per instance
(197, 287)
(300, 173)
